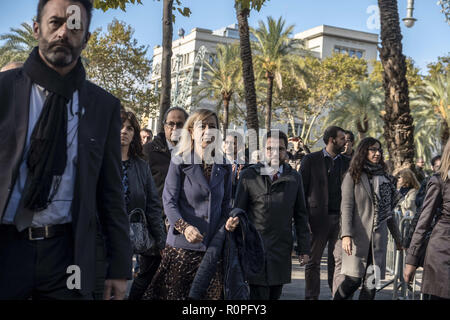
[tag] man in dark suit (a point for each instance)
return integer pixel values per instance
(322, 173)
(271, 194)
(60, 168)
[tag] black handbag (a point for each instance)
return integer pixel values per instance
(141, 240)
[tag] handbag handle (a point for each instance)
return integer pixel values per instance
(140, 212)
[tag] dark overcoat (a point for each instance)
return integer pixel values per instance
(271, 207)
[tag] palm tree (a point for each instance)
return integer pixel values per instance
(398, 128)
(19, 43)
(274, 44)
(222, 78)
(360, 108)
(242, 13)
(433, 105)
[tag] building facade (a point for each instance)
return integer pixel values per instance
(200, 45)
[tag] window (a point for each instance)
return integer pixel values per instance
(351, 52)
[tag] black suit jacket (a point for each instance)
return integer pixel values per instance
(158, 156)
(315, 182)
(98, 186)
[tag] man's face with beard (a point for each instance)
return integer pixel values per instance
(60, 45)
(339, 142)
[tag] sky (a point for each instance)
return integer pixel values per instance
(428, 39)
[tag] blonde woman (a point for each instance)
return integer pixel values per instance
(196, 200)
(408, 186)
(436, 268)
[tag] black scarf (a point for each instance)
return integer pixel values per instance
(373, 169)
(47, 156)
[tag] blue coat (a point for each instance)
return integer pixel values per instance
(188, 195)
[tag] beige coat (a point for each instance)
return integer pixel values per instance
(408, 203)
(357, 217)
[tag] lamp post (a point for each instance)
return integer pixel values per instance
(409, 20)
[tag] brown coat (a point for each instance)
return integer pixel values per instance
(357, 217)
(436, 269)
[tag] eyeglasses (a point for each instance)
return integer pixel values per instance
(178, 125)
(374, 150)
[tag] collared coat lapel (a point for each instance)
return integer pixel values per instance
(85, 108)
(365, 182)
(217, 175)
(22, 92)
(195, 174)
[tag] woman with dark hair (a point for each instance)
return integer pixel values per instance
(140, 192)
(368, 199)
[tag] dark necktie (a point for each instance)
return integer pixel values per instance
(275, 177)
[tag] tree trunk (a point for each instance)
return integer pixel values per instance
(269, 77)
(398, 128)
(362, 127)
(226, 108)
(247, 68)
(445, 133)
(166, 77)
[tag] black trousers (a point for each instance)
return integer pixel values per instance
(147, 269)
(35, 269)
(321, 237)
(265, 292)
(350, 284)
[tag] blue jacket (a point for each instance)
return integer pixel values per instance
(242, 253)
(189, 196)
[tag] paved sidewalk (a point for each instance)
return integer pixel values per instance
(296, 289)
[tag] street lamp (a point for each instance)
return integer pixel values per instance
(409, 20)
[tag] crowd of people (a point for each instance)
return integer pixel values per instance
(81, 184)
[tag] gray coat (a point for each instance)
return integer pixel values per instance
(357, 222)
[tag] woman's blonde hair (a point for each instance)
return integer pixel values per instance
(186, 144)
(445, 162)
(409, 178)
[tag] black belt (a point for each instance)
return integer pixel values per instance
(42, 233)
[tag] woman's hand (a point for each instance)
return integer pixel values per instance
(192, 234)
(347, 245)
(303, 259)
(231, 223)
(409, 272)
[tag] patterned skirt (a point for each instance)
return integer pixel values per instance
(175, 275)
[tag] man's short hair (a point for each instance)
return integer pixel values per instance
(434, 159)
(87, 4)
(274, 132)
(352, 136)
(186, 115)
(148, 131)
(331, 132)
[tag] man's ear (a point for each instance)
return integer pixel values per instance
(36, 30)
(86, 39)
